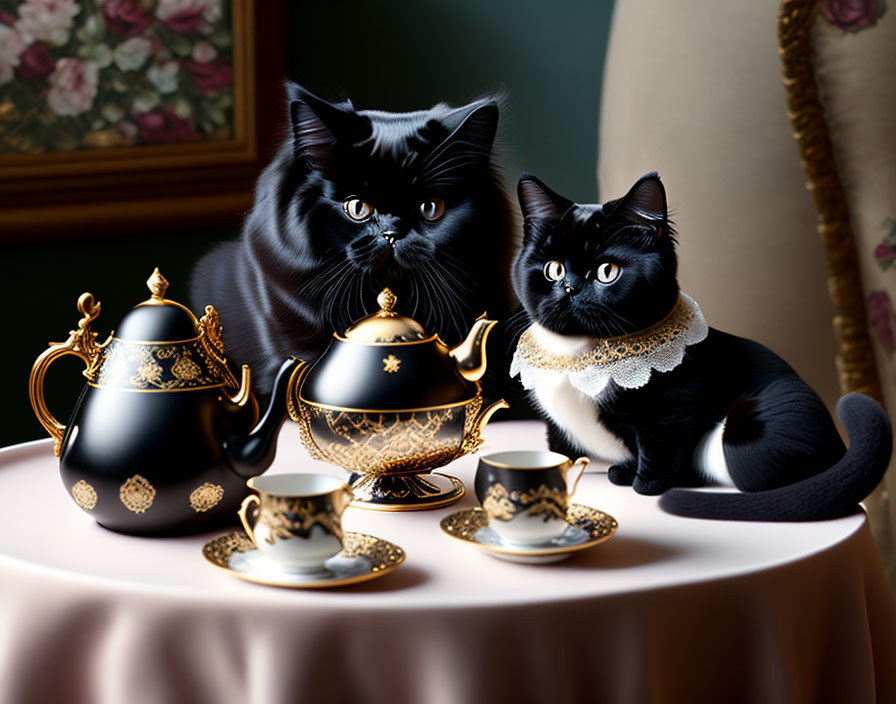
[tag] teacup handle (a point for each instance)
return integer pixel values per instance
(342, 500)
(243, 514)
(582, 463)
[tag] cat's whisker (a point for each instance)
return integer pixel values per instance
(450, 310)
(323, 279)
(459, 270)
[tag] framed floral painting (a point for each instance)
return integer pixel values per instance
(112, 109)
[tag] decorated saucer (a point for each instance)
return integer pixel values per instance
(585, 527)
(363, 557)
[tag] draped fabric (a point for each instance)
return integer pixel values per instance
(668, 609)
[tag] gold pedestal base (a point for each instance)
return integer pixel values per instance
(407, 492)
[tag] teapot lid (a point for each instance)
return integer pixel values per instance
(160, 345)
(158, 319)
(385, 326)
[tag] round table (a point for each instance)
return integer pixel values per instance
(668, 610)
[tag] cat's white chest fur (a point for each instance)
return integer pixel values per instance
(579, 415)
(574, 411)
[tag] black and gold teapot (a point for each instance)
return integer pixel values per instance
(163, 437)
(390, 403)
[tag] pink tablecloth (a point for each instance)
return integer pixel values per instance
(669, 610)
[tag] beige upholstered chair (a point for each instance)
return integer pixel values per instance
(694, 89)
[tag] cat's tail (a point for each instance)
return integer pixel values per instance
(830, 494)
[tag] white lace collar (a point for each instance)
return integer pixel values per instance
(628, 360)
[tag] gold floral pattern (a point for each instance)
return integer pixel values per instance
(287, 517)
(84, 495)
(545, 501)
(497, 503)
(155, 366)
(391, 364)
(137, 494)
(381, 443)
(390, 442)
(206, 497)
(382, 554)
(219, 550)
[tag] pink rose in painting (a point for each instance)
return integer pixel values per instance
(181, 15)
(127, 18)
(162, 126)
(211, 77)
(851, 15)
(11, 48)
(880, 315)
(204, 53)
(73, 85)
(128, 130)
(35, 62)
(46, 20)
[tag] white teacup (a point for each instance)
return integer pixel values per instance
(526, 493)
(295, 520)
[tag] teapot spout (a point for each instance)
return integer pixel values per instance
(469, 355)
(252, 454)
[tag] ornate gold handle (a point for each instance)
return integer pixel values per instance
(244, 509)
(473, 435)
(583, 462)
(298, 413)
(82, 344)
(293, 403)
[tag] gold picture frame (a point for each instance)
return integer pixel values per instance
(138, 187)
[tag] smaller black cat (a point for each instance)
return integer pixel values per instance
(625, 369)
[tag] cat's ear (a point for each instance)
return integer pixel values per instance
(477, 128)
(319, 125)
(469, 145)
(538, 202)
(644, 204)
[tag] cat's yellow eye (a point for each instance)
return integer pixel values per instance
(357, 209)
(554, 270)
(432, 209)
(608, 272)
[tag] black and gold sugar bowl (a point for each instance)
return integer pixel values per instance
(390, 403)
(163, 436)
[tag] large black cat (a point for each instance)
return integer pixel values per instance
(354, 201)
(625, 369)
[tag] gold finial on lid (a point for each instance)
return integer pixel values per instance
(386, 301)
(385, 325)
(157, 284)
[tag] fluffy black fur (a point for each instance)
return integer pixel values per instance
(780, 444)
(303, 268)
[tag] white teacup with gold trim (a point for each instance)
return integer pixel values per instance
(295, 520)
(526, 493)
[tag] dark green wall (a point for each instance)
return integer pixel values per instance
(407, 54)
(389, 54)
